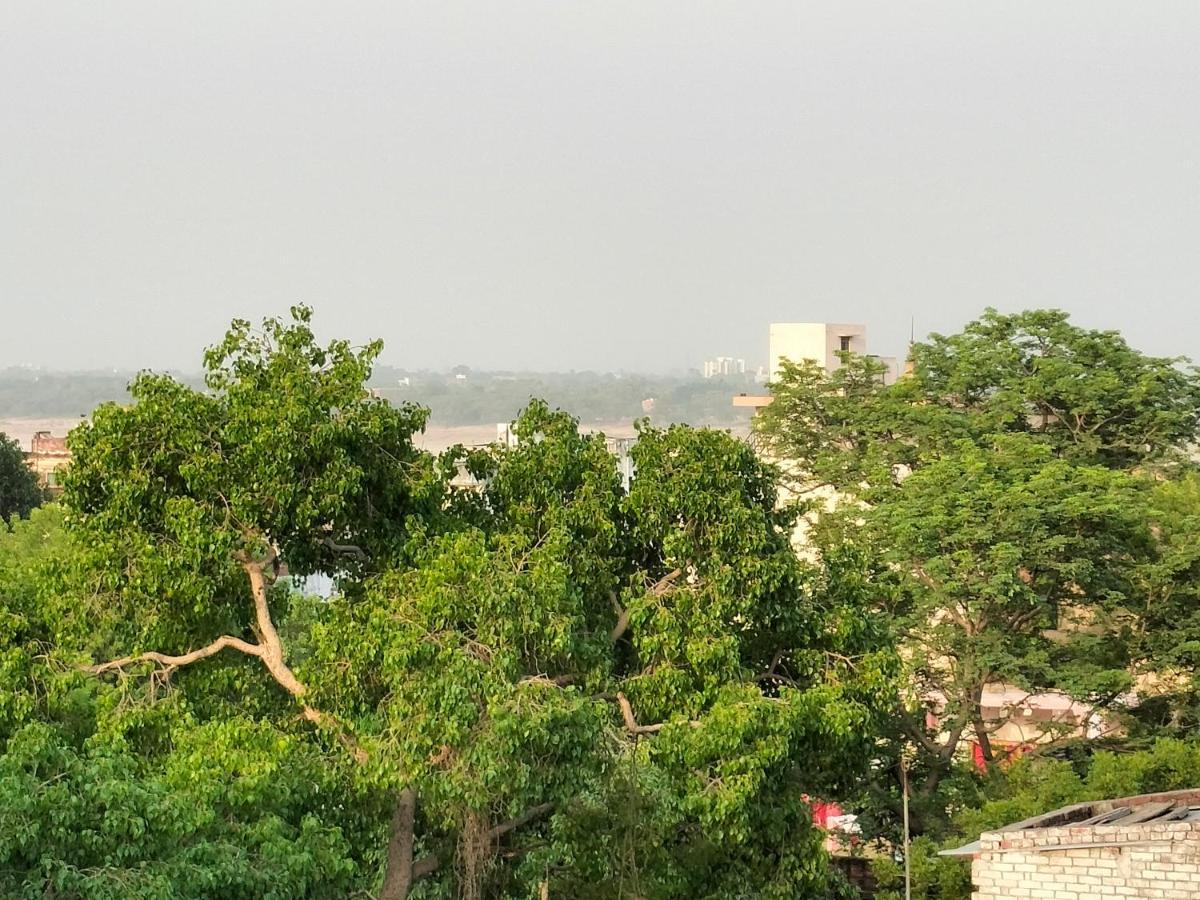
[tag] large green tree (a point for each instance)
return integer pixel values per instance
(541, 683)
(1005, 495)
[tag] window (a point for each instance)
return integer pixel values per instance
(845, 343)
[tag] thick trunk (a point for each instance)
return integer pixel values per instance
(398, 874)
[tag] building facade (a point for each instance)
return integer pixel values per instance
(48, 456)
(822, 343)
(1145, 846)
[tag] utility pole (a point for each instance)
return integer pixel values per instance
(904, 796)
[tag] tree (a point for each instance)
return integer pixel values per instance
(1003, 497)
(1087, 393)
(19, 489)
(544, 681)
(192, 502)
(108, 790)
(593, 690)
(1012, 567)
(1166, 639)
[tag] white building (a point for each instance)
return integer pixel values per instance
(821, 342)
(724, 365)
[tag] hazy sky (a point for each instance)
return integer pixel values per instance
(606, 185)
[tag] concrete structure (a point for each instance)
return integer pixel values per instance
(818, 341)
(821, 342)
(1145, 846)
(47, 457)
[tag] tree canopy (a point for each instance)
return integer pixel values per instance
(1024, 499)
(537, 683)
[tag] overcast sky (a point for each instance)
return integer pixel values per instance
(590, 185)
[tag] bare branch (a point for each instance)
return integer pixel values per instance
(168, 661)
(269, 649)
(631, 724)
(770, 670)
(663, 584)
(622, 625)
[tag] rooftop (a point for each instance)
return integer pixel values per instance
(1142, 810)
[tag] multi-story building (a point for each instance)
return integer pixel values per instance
(724, 365)
(823, 343)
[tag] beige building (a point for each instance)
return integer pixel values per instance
(47, 457)
(821, 342)
(1145, 846)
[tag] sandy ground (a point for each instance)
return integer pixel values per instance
(435, 439)
(439, 437)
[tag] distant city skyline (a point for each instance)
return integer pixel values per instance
(618, 186)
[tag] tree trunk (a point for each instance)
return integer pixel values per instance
(985, 742)
(398, 874)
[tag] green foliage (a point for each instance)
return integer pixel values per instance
(286, 449)
(1024, 504)
(486, 674)
(19, 490)
(547, 679)
(1087, 393)
(997, 547)
(95, 823)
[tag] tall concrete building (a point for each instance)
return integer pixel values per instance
(821, 342)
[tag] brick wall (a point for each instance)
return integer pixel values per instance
(1159, 860)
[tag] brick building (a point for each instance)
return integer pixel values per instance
(1146, 846)
(47, 457)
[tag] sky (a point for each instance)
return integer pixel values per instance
(599, 185)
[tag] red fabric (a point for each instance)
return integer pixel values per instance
(977, 757)
(823, 812)
(1003, 753)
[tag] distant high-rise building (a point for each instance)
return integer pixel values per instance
(724, 365)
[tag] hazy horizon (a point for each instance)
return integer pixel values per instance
(549, 186)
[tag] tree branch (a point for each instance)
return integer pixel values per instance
(534, 812)
(663, 584)
(269, 649)
(168, 661)
(622, 625)
(346, 549)
(631, 724)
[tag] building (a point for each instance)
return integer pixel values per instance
(1144, 846)
(823, 343)
(48, 456)
(724, 365)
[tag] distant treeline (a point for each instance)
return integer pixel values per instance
(458, 397)
(28, 393)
